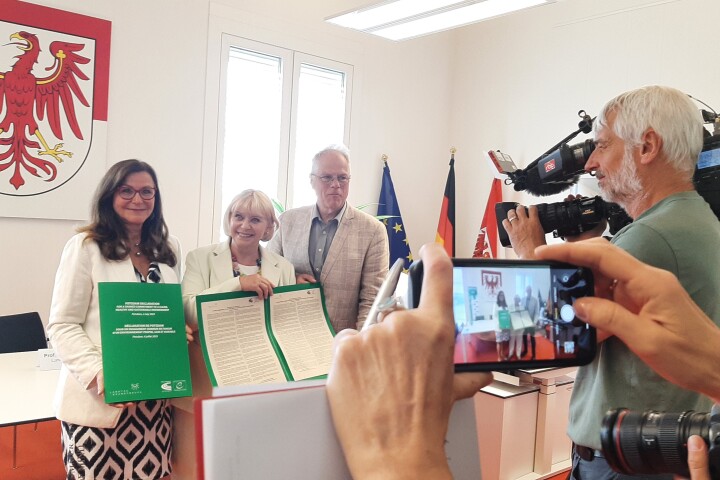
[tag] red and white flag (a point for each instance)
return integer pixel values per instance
(486, 244)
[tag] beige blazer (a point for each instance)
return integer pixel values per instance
(356, 264)
(209, 270)
(74, 327)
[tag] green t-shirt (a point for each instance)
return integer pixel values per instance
(680, 234)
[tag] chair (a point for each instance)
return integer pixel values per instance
(23, 332)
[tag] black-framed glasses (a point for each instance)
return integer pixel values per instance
(126, 192)
(341, 179)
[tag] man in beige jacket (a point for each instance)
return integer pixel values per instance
(334, 243)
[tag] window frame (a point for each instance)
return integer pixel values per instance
(300, 58)
(211, 209)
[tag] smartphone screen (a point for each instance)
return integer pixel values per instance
(517, 314)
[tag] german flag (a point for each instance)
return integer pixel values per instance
(446, 226)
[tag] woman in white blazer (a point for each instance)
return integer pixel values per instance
(126, 241)
(238, 263)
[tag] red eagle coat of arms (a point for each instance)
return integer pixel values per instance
(54, 77)
(492, 281)
(40, 106)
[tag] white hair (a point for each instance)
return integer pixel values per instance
(254, 201)
(669, 112)
(339, 148)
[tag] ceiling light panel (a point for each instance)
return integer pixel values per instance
(413, 20)
(388, 12)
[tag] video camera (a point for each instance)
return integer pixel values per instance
(656, 442)
(554, 171)
(707, 172)
(561, 167)
(567, 219)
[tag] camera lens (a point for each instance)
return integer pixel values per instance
(573, 217)
(650, 442)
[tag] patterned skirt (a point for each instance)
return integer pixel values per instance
(139, 447)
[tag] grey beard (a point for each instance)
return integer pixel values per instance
(625, 185)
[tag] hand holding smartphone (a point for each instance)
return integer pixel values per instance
(513, 314)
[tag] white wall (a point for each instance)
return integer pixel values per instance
(400, 102)
(519, 80)
(156, 77)
(157, 108)
(513, 83)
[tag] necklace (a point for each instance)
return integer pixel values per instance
(240, 270)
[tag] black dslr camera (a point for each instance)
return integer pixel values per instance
(570, 218)
(656, 442)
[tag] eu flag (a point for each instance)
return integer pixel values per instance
(389, 209)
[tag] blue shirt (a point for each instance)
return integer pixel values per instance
(321, 237)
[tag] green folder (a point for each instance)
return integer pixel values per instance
(504, 320)
(144, 348)
(286, 337)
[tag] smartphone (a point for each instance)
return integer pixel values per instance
(515, 314)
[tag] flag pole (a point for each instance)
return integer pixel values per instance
(452, 218)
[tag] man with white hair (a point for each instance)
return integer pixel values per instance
(647, 142)
(334, 243)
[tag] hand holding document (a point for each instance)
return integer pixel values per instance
(521, 320)
(285, 337)
(145, 353)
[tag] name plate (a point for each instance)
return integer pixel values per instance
(47, 360)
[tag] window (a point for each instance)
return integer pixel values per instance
(277, 109)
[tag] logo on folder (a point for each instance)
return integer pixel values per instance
(173, 385)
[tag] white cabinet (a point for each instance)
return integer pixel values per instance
(522, 428)
(506, 416)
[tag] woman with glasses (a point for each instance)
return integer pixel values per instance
(502, 328)
(126, 241)
(239, 263)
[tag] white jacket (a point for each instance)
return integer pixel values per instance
(74, 327)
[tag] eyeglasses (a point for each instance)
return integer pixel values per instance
(126, 192)
(341, 179)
